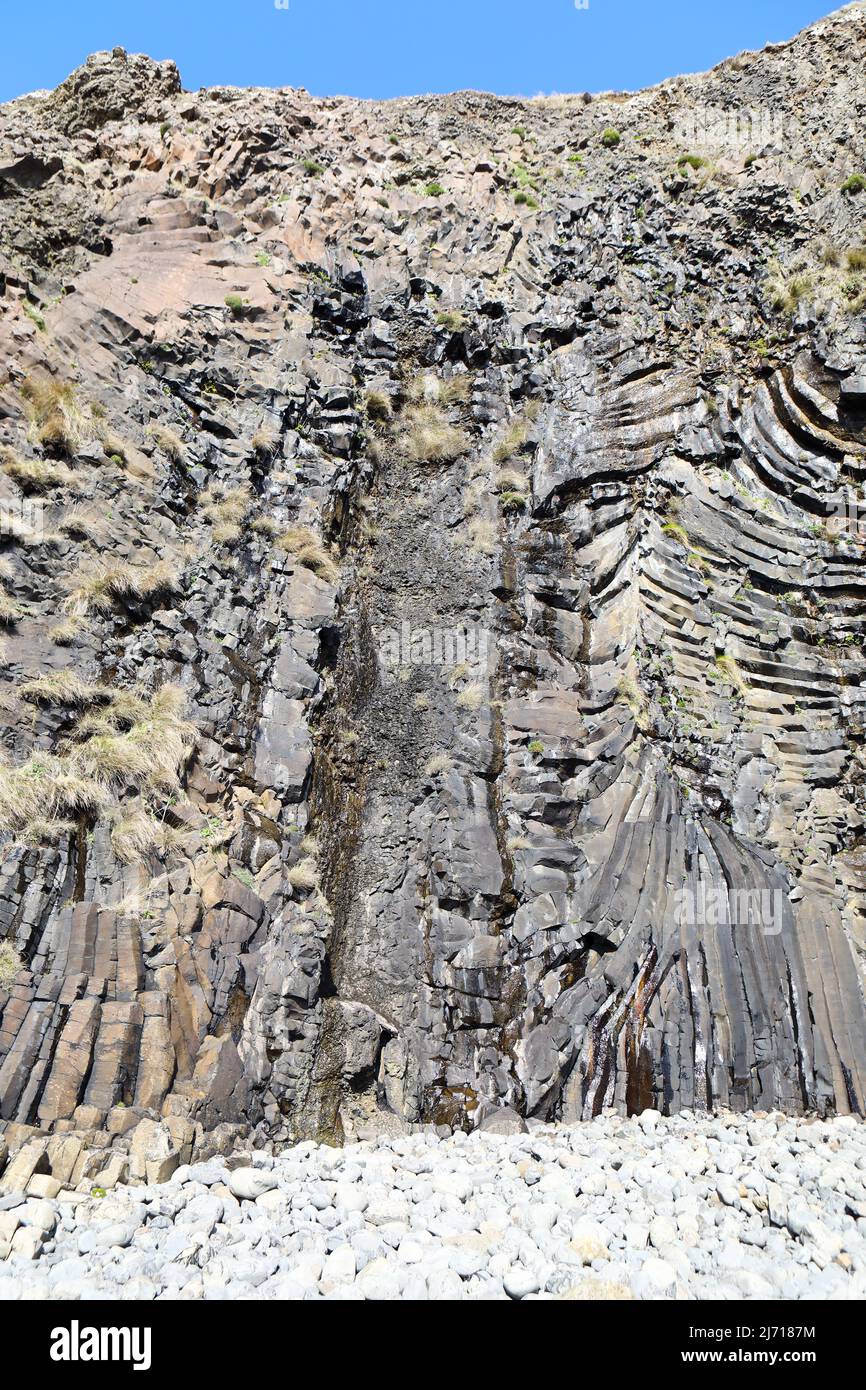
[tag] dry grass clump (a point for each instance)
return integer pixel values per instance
(137, 833)
(516, 436)
(785, 290)
(10, 964)
(143, 901)
(165, 439)
(427, 436)
(852, 286)
(512, 487)
(472, 696)
(40, 832)
(304, 875)
(62, 688)
(83, 525)
(377, 406)
(308, 550)
(139, 741)
(57, 419)
(379, 411)
(433, 390)
(630, 690)
(266, 526)
(150, 752)
(438, 764)
(34, 475)
(61, 423)
(833, 276)
(482, 536)
(10, 611)
(65, 631)
(45, 788)
(16, 529)
(125, 709)
(226, 508)
(854, 297)
(116, 448)
(97, 589)
(726, 670)
(114, 759)
(265, 442)
(474, 495)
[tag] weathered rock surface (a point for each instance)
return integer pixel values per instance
(296, 380)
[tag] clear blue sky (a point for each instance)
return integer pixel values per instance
(382, 48)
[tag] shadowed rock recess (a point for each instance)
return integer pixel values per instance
(301, 397)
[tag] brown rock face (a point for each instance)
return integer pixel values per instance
(113, 87)
(431, 585)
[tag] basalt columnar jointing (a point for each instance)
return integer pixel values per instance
(283, 374)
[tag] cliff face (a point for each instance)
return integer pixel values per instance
(433, 605)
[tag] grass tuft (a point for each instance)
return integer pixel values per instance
(165, 439)
(34, 475)
(65, 631)
(63, 688)
(786, 290)
(452, 319)
(726, 670)
(226, 509)
(265, 442)
(82, 524)
(139, 741)
(482, 536)
(472, 696)
(138, 833)
(58, 421)
(377, 406)
(97, 589)
(303, 544)
(10, 964)
(676, 532)
(427, 436)
(304, 875)
(438, 764)
(10, 611)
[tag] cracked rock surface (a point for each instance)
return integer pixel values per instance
(432, 601)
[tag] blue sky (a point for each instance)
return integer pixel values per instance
(382, 48)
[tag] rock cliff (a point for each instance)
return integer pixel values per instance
(433, 607)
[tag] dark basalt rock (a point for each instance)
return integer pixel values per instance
(509, 558)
